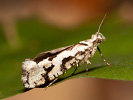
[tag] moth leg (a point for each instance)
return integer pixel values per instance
(88, 62)
(75, 68)
(51, 83)
(103, 56)
(64, 71)
(75, 64)
(87, 69)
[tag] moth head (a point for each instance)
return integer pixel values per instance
(32, 74)
(100, 37)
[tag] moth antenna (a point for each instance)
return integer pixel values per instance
(101, 23)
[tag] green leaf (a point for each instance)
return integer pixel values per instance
(37, 37)
(121, 69)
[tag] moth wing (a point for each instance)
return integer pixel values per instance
(50, 53)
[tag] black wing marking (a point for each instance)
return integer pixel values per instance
(51, 54)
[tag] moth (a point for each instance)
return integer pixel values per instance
(45, 68)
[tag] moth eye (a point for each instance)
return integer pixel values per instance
(100, 36)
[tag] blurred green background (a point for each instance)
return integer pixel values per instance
(26, 37)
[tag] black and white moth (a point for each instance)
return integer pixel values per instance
(45, 68)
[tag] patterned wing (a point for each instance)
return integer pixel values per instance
(50, 54)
